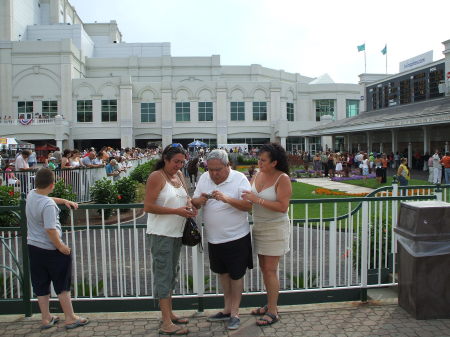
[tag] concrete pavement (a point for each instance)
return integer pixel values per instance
(381, 317)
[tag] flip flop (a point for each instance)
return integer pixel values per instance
(79, 322)
(52, 323)
(180, 320)
(177, 332)
(266, 322)
(259, 311)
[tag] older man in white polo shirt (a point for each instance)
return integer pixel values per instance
(227, 230)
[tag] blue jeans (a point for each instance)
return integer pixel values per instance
(447, 175)
(403, 181)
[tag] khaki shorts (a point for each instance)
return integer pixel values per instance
(165, 256)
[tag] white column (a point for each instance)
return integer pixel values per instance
(394, 140)
(369, 141)
(426, 139)
(381, 147)
(409, 154)
(59, 143)
(307, 149)
(66, 82)
(446, 146)
(96, 109)
(221, 115)
(359, 147)
(349, 143)
(283, 142)
(6, 92)
(166, 114)
(126, 112)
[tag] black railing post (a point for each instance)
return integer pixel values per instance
(26, 284)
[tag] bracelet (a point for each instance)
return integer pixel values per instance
(261, 201)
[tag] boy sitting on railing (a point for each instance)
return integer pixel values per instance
(50, 258)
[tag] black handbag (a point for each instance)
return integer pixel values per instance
(191, 233)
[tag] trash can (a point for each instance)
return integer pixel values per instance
(423, 233)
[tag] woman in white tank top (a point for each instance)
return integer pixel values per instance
(168, 205)
(270, 195)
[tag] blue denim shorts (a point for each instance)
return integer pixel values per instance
(165, 257)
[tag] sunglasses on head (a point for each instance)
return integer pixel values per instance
(176, 145)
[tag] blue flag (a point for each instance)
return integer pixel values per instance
(384, 50)
(362, 47)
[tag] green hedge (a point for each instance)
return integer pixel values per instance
(141, 173)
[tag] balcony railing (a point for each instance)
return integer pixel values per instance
(32, 121)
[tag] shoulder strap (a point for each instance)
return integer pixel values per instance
(282, 174)
(182, 182)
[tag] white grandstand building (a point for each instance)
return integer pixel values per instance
(76, 84)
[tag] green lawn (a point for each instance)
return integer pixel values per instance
(304, 191)
(373, 183)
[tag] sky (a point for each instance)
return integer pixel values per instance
(306, 37)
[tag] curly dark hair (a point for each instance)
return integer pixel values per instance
(169, 152)
(278, 153)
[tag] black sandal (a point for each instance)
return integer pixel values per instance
(259, 311)
(266, 322)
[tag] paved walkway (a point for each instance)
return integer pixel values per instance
(377, 318)
(334, 185)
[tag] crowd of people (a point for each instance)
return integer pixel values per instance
(336, 164)
(115, 161)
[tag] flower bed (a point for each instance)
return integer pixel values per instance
(354, 177)
(326, 191)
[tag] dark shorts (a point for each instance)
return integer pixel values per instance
(232, 257)
(49, 266)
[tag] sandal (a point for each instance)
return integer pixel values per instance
(180, 320)
(177, 332)
(266, 322)
(259, 311)
(53, 321)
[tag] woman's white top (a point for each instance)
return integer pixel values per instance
(74, 163)
(365, 163)
(171, 225)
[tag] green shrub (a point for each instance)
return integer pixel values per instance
(63, 191)
(104, 191)
(9, 198)
(141, 173)
(126, 190)
(247, 160)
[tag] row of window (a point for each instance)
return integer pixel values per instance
(183, 110)
(413, 87)
(49, 108)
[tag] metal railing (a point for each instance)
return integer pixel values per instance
(336, 244)
(81, 178)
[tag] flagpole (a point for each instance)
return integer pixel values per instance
(365, 63)
(386, 61)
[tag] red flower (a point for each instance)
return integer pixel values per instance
(11, 193)
(119, 197)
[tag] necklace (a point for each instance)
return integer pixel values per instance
(264, 182)
(174, 180)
